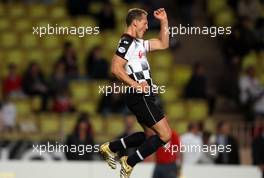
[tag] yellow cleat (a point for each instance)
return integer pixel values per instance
(125, 168)
(108, 155)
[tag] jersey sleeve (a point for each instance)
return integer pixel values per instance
(123, 48)
(146, 45)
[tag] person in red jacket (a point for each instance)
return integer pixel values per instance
(167, 158)
(12, 83)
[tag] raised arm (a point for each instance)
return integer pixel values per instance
(163, 41)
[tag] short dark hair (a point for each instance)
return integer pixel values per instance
(133, 14)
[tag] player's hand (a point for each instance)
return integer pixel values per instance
(160, 14)
(143, 87)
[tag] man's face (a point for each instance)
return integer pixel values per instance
(141, 26)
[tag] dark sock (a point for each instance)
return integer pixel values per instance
(133, 140)
(147, 148)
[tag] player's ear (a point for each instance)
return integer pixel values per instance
(135, 22)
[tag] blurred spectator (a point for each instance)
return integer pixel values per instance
(106, 17)
(197, 85)
(224, 138)
(258, 151)
(8, 115)
(12, 83)
(192, 137)
(77, 7)
(34, 84)
(129, 123)
(166, 161)
(96, 64)
(249, 8)
(229, 81)
(62, 102)
(58, 79)
(69, 59)
(248, 34)
(81, 136)
(251, 94)
(113, 102)
(207, 157)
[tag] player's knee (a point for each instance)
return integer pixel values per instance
(165, 135)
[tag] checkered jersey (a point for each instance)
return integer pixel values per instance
(134, 51)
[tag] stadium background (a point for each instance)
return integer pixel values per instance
(223, 59)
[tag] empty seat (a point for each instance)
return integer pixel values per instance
(181, 75)
(80, 91)
(197, 109)
(50, 126)
(29, 41)
(23, 25)
(57, 12)
(37, 11)
(8, 40)
(16, 11)
(176, 110)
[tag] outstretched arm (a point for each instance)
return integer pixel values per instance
(163, 41)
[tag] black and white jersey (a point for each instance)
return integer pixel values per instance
(134, 51)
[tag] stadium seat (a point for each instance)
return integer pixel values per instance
(29, 41)
(180, 127)
(50, 125)
(197, 109)
(38, 56)
(95, 7)
(50, 42)
(23, 107)
(16, 57)
(181, 75)
(36, 103)
(171, 94)
(91, 41)
(57, 12)
(214, 6)
(96, 93)
(176, 110)
(87, 106)
(97, 124)
(37, 11)
(225, 18)
(80, 91)
(23, 25)
(2, 9)
(9, 39)
(86, 22)
(111, 40)
(5, 24)
(249, 60)
(16, 11)
(115, 125)
(68, 123)
(27, 124)
(160, 77)
(75, 40)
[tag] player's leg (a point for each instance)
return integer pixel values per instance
(153, 117)
(109, 150)
(150, 145)
(162, 136)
